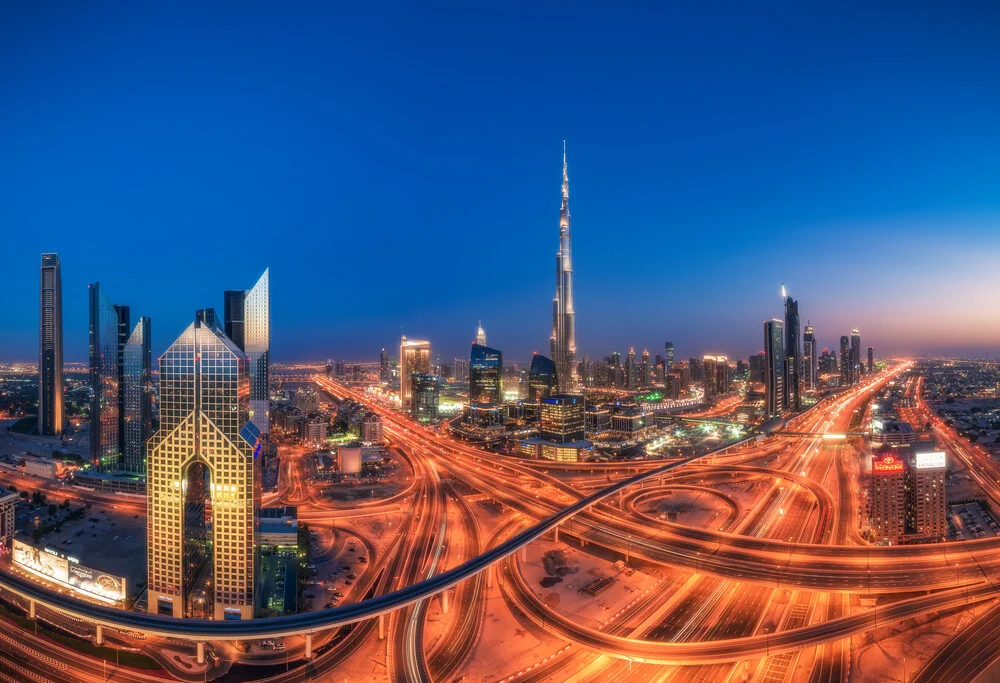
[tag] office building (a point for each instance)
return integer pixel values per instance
(669, 350)
(757, 365)
(543, 378)
(137, 406)
(871, 360)
(383, 367)
(810, 358)
(50, 348)
(104, 381)
(371, 429)
(485, 373)
(562, 418)
(414, 356)
(855, 356)
(461, 370)
(425, 390)
(887, 496)
(257, 332)
(233, 306)
(774, 372)
(644, 369)
(631, 371)
(8, 507)
(845, 361)
(204, 449)
(793, 355)
(708, 365)
(563, 340)
(926, 504)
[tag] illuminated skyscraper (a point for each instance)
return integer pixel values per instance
(203, 450)
(257, 331)
(105, 444)
(708, 364)
(481, 334)
(774, 371)
(810, 358)
(845, 361)
(669, 349)
(414, 356)
(50, 348)
(485, 372)
(425, 394)
(383, 366)
(644, 369)
(631, 372)
(563, 341)
(856, 368)
(137, 407)
(543, 378)
(887, 496)
(793, 354)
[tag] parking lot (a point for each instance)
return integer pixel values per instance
(968, 521)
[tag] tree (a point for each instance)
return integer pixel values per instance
(52, 509)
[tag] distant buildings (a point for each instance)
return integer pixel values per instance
(856, 368)
(137, 407)
(793, 355)
(485, 372)
(563, 340)
(644, 369)
(424, 388)
(810, 358)
(871, 360)
(846, 373)
(383, 367)
(668, 348)
(631, 372)
(774, 373)
(50, 348)
(757, 363)
(414, 356)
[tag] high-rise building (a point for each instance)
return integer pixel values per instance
(793, 354)
(543, 378)
(631, 372)
(856, 368)
(669, 349)
(137, 407)
(774, 372)
(371, 429)
(757, 365)
(105, 379)
(845, 361)
(124, 331)
(887, 496)
(710, 383)
(827, 362)
(926, 504)
(481, 334)
(485, 374)
(383, 366)
(50, 348)
(425, 393)
(644, 369)
(204, 450)
(871, 360)
(461, 369)
(563, 340)
(562, 418)
(809, 358)
(414, 356)
(617, 371)
(257, 334)
(233, 310)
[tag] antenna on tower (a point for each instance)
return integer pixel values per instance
(784, 295)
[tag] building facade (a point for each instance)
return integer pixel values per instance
(485, 374)
(137, 408)
(414, 356)
(105, 445)
(425, 394)
(926, 499)
(774, 371)
(793, 355)
(809, 358)
(543, 378)
(50, 348)
(887, 497)
(563, 340)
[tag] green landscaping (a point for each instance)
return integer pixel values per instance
(26, 425)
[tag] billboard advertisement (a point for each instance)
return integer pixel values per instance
(930, 461)
(40, 561)
(887, 465)
(55, 566)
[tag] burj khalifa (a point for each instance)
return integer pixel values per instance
(563, 316)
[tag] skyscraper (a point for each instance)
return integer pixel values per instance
(810, 358)
(425, 393)
(563, 340)
(124, 330)
(205, 448)
(543, 378)
(855, 356)
(383, 366)
(50, 348)
(233, 304)
(669, 349)
(137, 407)
(631, 373)
(485, 372)
(708, 364)
(257, 336)
(845, 361)
(644, 369)
(793, 354)
(871, 360)
(887, 496)
(105, 444)
(414, 356)
(774, 372)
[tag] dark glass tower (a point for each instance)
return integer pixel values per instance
(485, 375)
(124, 331)
(137, 407)
(793, 354)
(845, 361)
(50, 348)
(871, 360)
(856, 368)
(543, 379)
(809, 357)
(232, 304)
(669, 348)
(774, 372)
(105, 444)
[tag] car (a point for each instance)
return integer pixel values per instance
(310, 596)
(279, 646)
(348, 582)
(363, 559)
(328, 605)
(352, 575)
(352, 549)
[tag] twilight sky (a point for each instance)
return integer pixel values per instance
(399, 165)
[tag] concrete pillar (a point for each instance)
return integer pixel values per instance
(381, 627)
(489, 577)
(524, 553)
(31, 609)
(309, 646)
(201, 652)
(99, 636)
(555, 534)
(444, 601)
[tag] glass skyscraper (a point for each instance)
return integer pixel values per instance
(257, 331)
(485, 375)
(233, 302)
(414, 356)
(425, 396)
(774, 371)
(543, 378)
(793, 354)
(205, 448)
(105, 445)
(50, 348)
(137, 407)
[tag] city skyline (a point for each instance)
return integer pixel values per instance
(644, 200)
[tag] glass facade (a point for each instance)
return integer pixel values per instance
(542, 378)
(414, 356)
(233, 301)
(425, 396)
(50, 348)
(562, 418)
(137, 407)
(204, 440)
(105, 446)
(774, 368)
(485, 375)
(257, 337)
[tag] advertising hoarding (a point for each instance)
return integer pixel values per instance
(96, 583)
(930, 461)
(56, 567)
(887, 465)
(40, 561)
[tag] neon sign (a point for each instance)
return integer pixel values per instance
(887, 465)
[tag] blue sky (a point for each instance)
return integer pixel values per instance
(399, 166)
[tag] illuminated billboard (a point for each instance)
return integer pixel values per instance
(56, 567)
(930, 461)
(44, 562)
(887, 465)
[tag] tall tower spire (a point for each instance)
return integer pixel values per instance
(563, 339)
